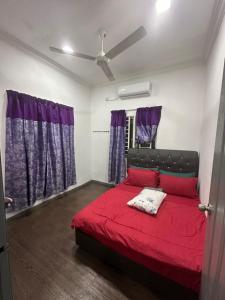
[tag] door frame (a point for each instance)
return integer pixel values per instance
(218, 178)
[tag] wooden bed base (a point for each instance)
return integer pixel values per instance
(163, 286)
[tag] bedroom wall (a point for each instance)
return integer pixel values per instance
(180, 92)
(22, 71)
(214, 73)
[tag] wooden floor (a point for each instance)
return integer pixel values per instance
(46, 264)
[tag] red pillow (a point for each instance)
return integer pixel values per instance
(142, 178)
(179, 185)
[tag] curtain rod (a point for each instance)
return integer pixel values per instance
(130, 109)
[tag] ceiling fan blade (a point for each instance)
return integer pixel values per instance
(127, 42)
(105, 68)
(77, 54)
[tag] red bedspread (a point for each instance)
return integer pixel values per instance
(170, 243)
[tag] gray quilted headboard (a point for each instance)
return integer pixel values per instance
(170, 160)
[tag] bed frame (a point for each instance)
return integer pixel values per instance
(170, 160)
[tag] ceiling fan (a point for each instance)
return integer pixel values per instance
(102, 59)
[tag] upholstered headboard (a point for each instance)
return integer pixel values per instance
(170, 160)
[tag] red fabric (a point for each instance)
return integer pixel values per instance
(142, 178)
(180, 186)
(170, 243)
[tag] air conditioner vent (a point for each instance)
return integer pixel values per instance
(138, 90)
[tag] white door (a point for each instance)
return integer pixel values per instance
(213, 279)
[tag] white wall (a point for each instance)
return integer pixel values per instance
(26, 73)
(180, 92)
(214, 73)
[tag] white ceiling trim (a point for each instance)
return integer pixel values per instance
(140, 76)
(13, 41)
(215, 24)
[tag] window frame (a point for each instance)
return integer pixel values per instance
(130, 114)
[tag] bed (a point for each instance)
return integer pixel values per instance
(164, 251)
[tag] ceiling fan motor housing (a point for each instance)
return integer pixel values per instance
(100, 58)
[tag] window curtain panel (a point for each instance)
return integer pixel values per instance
(147, 121)
(117, 164)
(39, 155)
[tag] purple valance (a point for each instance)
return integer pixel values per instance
(118, 118)
(27, 107)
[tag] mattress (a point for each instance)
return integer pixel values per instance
(170, 243)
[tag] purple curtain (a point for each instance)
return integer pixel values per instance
(147, 121)
(40, 158)
(117, 166)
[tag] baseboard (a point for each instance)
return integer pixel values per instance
(103, 183)
(31, 209)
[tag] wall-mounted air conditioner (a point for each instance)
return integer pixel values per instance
(141, 89)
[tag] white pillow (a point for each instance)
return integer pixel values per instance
(148, 201)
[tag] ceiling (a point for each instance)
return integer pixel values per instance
(176, 36)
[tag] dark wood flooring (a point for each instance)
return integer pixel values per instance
(46, 264)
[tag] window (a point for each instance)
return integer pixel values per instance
(130, 133)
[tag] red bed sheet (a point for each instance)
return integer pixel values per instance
(169, 243)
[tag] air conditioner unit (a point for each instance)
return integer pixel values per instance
(141, 89)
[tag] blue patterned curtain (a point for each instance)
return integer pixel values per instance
(117, 165)
(147, 121)
(40, 158)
